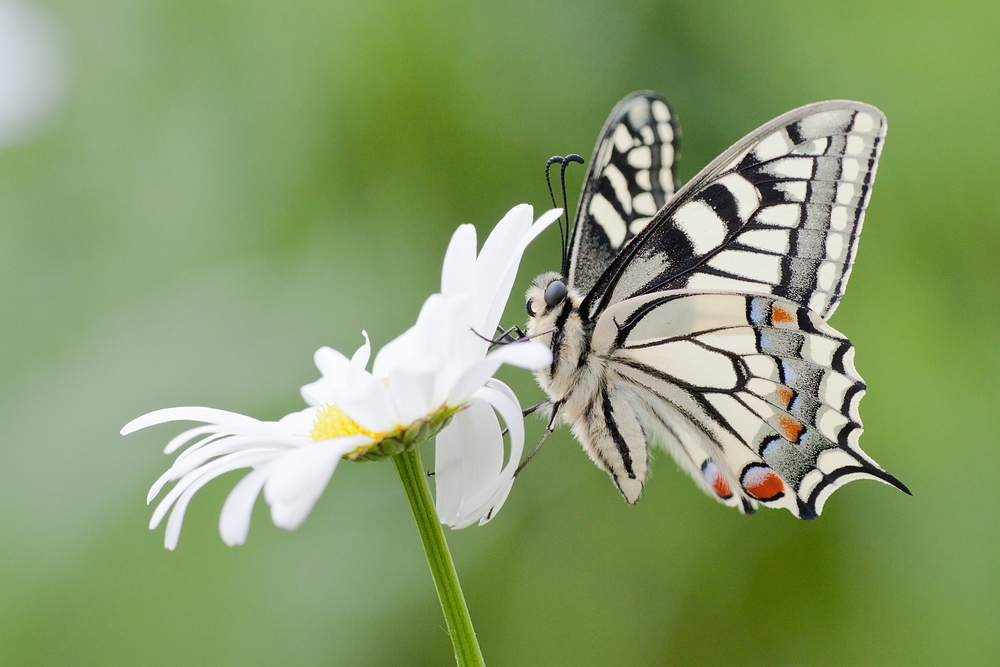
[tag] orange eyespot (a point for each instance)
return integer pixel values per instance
(785, 395)
(780, 315)
(790, 428)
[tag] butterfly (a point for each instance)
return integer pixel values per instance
(696, 318)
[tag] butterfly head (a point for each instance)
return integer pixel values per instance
(548, 299)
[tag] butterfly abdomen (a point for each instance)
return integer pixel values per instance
(601, 416)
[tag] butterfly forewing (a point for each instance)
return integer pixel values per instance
(778, 213)
(630, 178)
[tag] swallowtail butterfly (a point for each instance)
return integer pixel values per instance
(696, 318)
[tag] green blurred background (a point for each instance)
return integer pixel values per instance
(230, 185)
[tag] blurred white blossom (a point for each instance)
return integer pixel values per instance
(33, 69)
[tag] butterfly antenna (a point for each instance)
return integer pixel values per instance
(548, 181)
(572, 157)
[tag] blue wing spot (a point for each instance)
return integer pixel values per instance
(758, 312)
(788, 374)
(770, 447)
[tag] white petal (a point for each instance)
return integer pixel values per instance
(494, 309)
(368, 402)
(186, 488)
(234, 521)
(434, 332)
(468, 454)
(412, 390)
(299, 423)
(178, 441)
(299, 478)
(331, 363)
(204, 442)
(498, 500)
(504, 401)
(158, 485)
(194, 414)
(497, 250)
(395, 352)
(527, 354)
(485, 502)
(359, 362)
(209, 469)
(335, 369)
(454, 335)
(458, 276)
(192, 458)
(320, 392)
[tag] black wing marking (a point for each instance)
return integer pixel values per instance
(778, 213)
(755, 397)
(630, 178)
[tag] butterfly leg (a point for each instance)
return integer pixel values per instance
(527, 411)
(534, 408)
(505, 336)
(548, 431)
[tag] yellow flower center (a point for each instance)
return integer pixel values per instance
(332, 422)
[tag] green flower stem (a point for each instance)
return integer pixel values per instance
(456, 613)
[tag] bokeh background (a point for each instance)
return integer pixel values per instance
(226, 186)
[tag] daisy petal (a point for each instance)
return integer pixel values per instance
(459, 270)
(187, 436)
(412, 391)
(497, 250)
(468, 454)
(320, 392)
(497, 501)
(331, 363)
(299, 478)
(397, 351)
(526, 354)
(367, 401)
(359, 362)
(194, 482)
(484, 504)
(299, 423)
(234, 521)
(194, 414)
(505, 281)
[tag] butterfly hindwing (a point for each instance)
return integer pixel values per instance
(778, 213)
(755, 396)
(630, 177)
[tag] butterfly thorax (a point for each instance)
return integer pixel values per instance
(574, 374)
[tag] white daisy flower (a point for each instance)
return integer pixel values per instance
(437, 375)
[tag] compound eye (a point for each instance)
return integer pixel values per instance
(527, 307)
(555, 293)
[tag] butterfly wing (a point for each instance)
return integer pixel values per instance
(778, 213)
(756, 397)
(630, 178)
